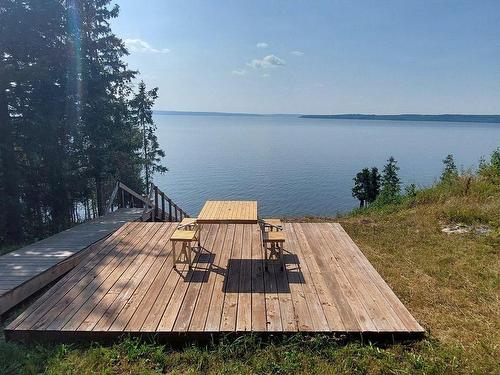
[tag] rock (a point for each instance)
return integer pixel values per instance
(483, 229)
(462, 229)
(456, 229)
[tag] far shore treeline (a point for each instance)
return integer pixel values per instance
(72, 121)
(412, 117)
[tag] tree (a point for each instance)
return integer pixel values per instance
(102, 87)
(66, 125)
(142, 109)
(450, 170)
(366, 186)
(374, 186)
(391, 184)
(491, 170)
(361, 186)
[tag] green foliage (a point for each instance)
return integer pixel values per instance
(366, 186)
(391, 184)
(450, 170)
(247, 354)
(142, 112)
(491, 170)
(67, 124)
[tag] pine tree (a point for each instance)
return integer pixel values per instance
(366, 186)
(362, 186)
(142, 109)
(103, 85)
(450, 170)
(66, 129)
(391, 184)
(374, 186)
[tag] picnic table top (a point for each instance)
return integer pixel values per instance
(240, 212)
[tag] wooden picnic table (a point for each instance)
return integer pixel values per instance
(228, 212)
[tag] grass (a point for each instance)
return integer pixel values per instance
(449, 283)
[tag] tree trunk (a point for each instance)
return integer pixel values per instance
(10, 219)
(99, 195)
(146, 167)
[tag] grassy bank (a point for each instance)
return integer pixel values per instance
(448, 281)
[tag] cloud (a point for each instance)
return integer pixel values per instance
(265, 75)
(269, 61)
(239, 72)
(297, 53)
(138, 45)
(262, 45)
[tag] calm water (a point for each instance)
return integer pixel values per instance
(297, 167)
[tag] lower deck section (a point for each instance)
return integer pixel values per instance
(27, 270)
(127, 284)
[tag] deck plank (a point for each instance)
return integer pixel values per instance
(198, 275)
(382, 317)
(215, 311)
(318, 318)
(119, 313)
(244, 311)
(258, 292)
(232, 282)
(99, 283)
(202, 306)
(66, 286)
(332, 314)
(119, 294)
(346, 290)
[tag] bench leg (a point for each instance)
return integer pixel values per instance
(174, 257)
(189, 250)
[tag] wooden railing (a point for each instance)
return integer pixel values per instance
(162, 207)
(157, 207)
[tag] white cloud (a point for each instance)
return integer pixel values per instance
(269, 61)
(262, 45)
(138, 45)
(297, 53)
(239, 72)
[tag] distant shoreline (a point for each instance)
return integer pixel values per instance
(192, 113)
(412, 117)
(355, 116)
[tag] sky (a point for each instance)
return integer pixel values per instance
(316, 57)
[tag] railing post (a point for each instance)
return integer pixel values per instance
(176, 219)
(169, 210)
(156, 202)
(162, 206)
(123, 198)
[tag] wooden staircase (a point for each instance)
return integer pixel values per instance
(156, 207)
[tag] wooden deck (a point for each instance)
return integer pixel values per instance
(127, 285)
(29, 269)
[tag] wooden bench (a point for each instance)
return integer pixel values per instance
(186, 233)
(273, 239)
(272, 224)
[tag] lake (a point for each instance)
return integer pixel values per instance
(303, 167)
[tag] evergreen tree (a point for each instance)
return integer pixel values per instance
(361, 187)
(142, 109)
(102, 86)
(66, 125)
(391, 184)
(374, 186)
(450, 170)
(366, 186)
